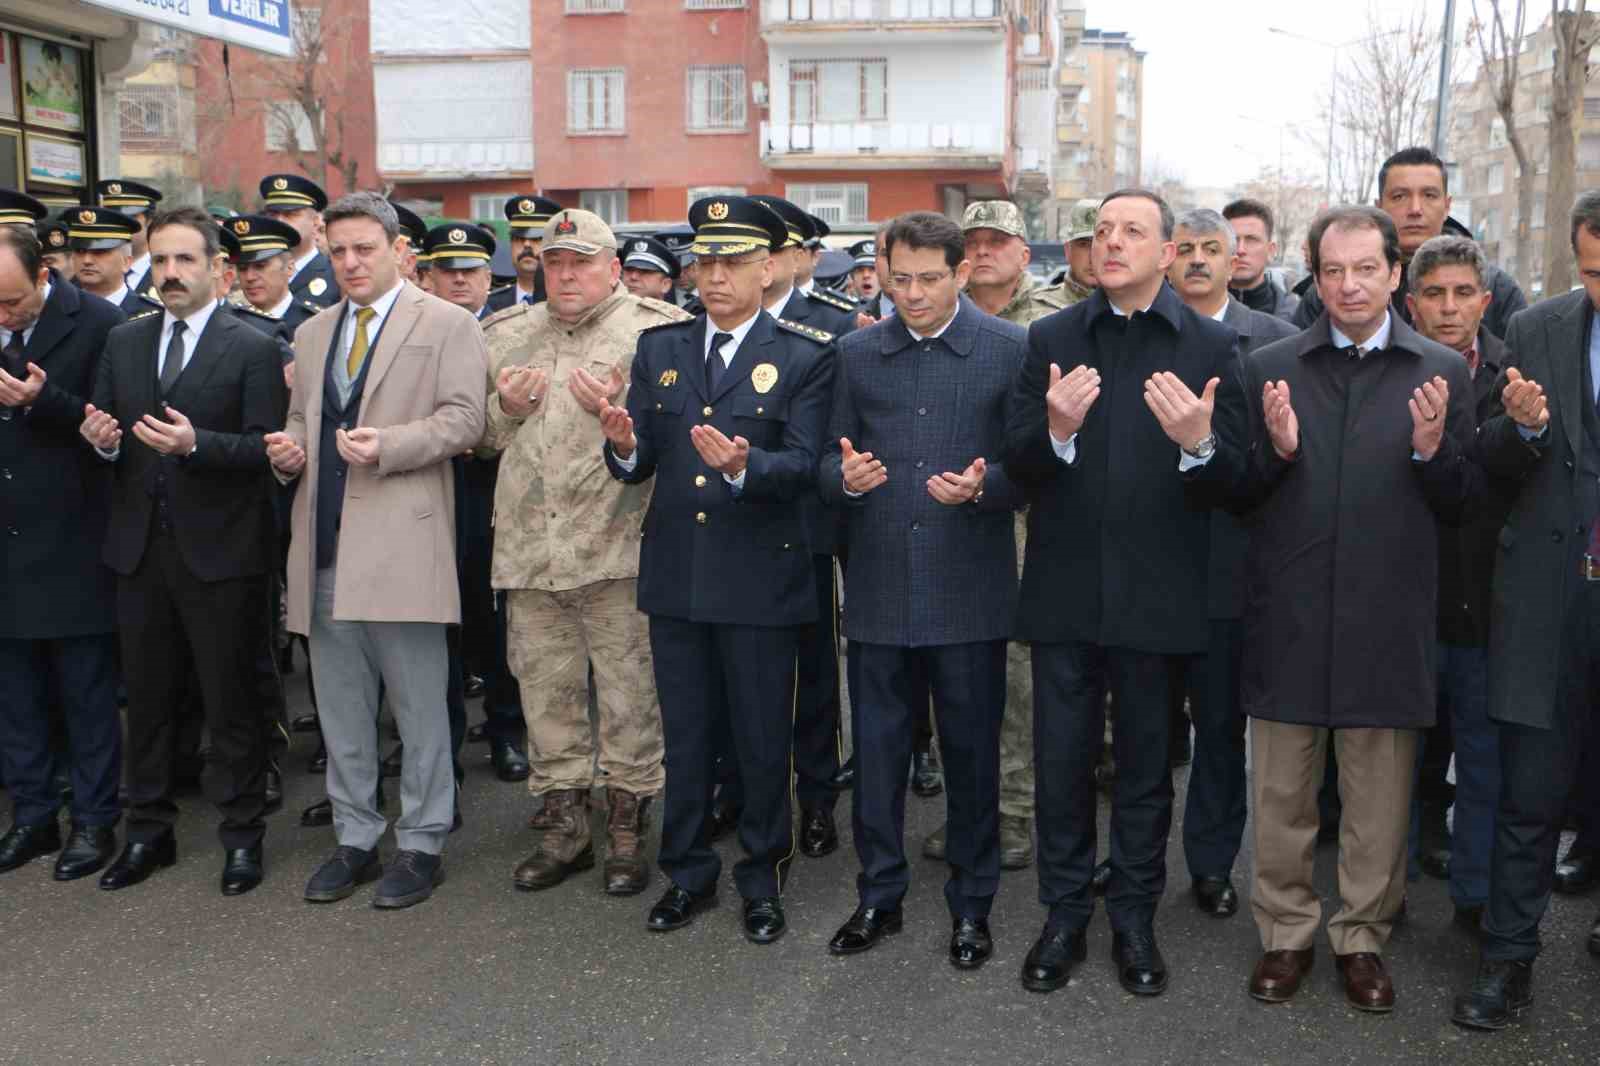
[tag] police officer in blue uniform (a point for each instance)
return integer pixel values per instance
(525, 218)
(264, 247)
(649, 268)
(137, 201)
(95, 230)
(726, 411)
(300, 201)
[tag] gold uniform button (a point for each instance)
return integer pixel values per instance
(699, 481)
(658, 407)
(761, 410)
(700, 516)
(706, 411)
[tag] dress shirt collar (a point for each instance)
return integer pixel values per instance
(118, 296)
(136, 270)
(281, 308)
(301, 263)
(1377, 342)
(739, 333)
(194, 325)
(938, 332)
(779, 301)
(1166, 306)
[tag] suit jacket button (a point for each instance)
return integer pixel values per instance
(700, 517)
(761, 410)
(658, 407)
(922, 410)
(699, 481)
(915, 526)
(1555, 535)
(706, 410)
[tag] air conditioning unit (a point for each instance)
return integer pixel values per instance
(758, 93)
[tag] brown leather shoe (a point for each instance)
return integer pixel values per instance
(627, 872)
(1366, 983)
(564, 845)
(1278, 974)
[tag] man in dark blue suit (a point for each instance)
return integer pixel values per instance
(57, 623)
(1114, 583)
(728, 409)
(913, 445)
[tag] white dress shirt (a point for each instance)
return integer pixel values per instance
(118, 296)
(1377, 341)
(775, 304)
(136, 270)
(281, 308)
(300, 264)
(380, 308)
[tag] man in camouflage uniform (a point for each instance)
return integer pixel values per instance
(997, 248)
(566, 550)
(1078, 281)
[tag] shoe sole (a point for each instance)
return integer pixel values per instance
(1143, 990)
(886, 931)
(1514, 1012)
(581, 863)
(76, 875)
(410, 899)
(1367, 1008)
(811, 853)
(964, 964)
(773, 939)
(688, 919)
(1034, 984)
(344, 891)
(161, 864)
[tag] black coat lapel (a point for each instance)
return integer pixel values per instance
(55, 324)
(690, 357)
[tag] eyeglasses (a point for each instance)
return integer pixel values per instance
(927, 281)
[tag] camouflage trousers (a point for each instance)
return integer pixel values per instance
(552, 638)
(1016, 734)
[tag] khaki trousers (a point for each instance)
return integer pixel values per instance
(552, 638)
(1375, 777)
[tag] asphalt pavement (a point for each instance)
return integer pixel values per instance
(172, 972)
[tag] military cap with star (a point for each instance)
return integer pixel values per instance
(864, 253)
(529, 213)
(52, 234)
(129, 197)
(795, 220)
(576, 230)
(20, 208)
(648, 253)
(411, 224)
(735, 225)
(97, 228)
(1002, 216)
(459, 246)
(260, 237)
(291, 192)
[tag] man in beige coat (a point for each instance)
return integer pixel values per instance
(566, 551)
(389, 387)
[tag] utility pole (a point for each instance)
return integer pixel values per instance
(1446, 50)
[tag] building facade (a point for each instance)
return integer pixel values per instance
(1100, 131)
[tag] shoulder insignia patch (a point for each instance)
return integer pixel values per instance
(661, 307)
(831, 300)
(665, 325)
(314, 308)
(821, 336)
(144, 314)
(501, 289)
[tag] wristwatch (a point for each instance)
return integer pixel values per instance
(1203, 448)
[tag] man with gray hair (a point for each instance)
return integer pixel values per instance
(1448, 297)
(1215, 808)
(389, 388)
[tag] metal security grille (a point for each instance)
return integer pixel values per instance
(594, 7)
(149, 118)
(716, 98)
(834, 203)
(712, 5)
(595, 100)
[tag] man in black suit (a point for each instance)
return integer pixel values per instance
(57, 643)
(181, 403)
(913, 455)
(726, 411)
(1112, 407)
(1544, 631)
(1215, 808)
(299, 202)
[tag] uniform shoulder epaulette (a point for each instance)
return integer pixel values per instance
(505, 314)
(821, 336)
(666, 325)
(830, 299)
(245, 309)
(672, 311)
(497, 292)
(312, 306)
(144, 314)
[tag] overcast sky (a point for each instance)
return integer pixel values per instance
(1212, 67)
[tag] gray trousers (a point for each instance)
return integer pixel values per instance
(348, 660)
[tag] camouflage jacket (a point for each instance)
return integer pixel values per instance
(1031, 301)
(1069, 291)
(561, 521)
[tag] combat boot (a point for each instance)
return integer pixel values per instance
(564, 844)
(627, 871)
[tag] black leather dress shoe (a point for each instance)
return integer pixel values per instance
(319, 813)
(1501, 990)
(927, 779)
(509, 762)
(970, 943)
(241, 870)
(472, 686)
(394, 762)
(318, 763)
(845, 777)
(274, 789)
(1049, 962)
(138, 861)
(305, 723)
(763, 920)
(1101, 880)
(866, 927)
(1140, 967)
(724, 819)
(675, 909)
(24, 843)
(1577, 871)
(477, 734)
(89, 847)
(1216, 896)
(818, 834)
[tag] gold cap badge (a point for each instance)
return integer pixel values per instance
(717, 211)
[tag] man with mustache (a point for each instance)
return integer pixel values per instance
(526, 217)
(1215, 808)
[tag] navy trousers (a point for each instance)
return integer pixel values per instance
(1217, 803)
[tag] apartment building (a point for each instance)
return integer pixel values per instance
(1100, 130)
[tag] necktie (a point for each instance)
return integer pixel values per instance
(172, 366)
(358, 347)
(528, 299)
(15, 362)
(714, 364)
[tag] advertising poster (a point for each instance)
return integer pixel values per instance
(52, 86)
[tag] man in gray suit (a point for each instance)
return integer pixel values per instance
(918, 421)
(1214, 811)
(1544, 627)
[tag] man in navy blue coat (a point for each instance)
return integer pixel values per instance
(1112, 407)
(912, 456)
(726, 411)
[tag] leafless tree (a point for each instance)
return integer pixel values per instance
(1294, 199)
(1576, 31)
(1500, 48)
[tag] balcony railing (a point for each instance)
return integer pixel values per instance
(779, 12)
(866, 139)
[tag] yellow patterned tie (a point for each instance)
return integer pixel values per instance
(358, 349)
